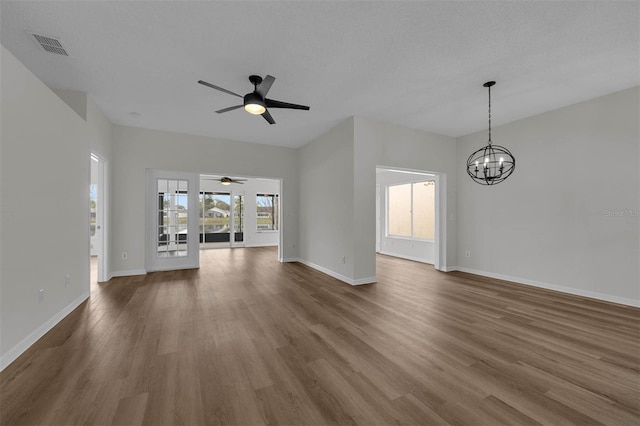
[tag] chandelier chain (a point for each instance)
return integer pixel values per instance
(489, 115)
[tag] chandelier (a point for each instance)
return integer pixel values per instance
(490, 164)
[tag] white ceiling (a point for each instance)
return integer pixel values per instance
(417, 64)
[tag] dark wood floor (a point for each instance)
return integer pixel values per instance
(247, 340)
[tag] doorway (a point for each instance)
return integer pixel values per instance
(409, 208)
(239, 211)
(97, 218)
(221, 219)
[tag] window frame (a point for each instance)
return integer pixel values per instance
(275, 219)
(388, 234)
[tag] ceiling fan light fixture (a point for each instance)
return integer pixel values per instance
(255, 109)
(225, 181)
(253, 104)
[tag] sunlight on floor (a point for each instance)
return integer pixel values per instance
(93, 270)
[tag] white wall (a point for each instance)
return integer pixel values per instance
(135, 150)
(385, 144)
(100, 131)
(249, 189)
(100, 143)
(326, 203)
(44, 229)
(418, 250)
(100, 134)
(550, 224)
(338, 192)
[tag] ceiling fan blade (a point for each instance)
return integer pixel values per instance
(237, 181)
(220, 111)
(264, 87)
(218, 88)
(278, 104)
(268, 117)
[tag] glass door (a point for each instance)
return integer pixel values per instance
(218, 216)
(172, 221)
(238, 220)
(215, 219)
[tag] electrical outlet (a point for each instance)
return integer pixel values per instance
(67, 280)
(124, 255)
(467, 253)
(343, 259)
(41, 295)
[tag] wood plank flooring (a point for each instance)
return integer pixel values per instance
(246, 340)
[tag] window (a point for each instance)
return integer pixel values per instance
(173, 217)
(93, 201)
(267, 212)
(411, 210)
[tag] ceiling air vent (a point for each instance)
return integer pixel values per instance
(48, 44)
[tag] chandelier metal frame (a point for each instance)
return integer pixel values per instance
(490, 164)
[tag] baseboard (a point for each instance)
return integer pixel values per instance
(408, 257)
(290, 259)
(13, 353)
(129, 273)
(447, 268)
(334, 274)
(554, 287)
(368, 280)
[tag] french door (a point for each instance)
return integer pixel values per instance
(172, 232)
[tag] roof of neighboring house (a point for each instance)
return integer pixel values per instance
(218, 210)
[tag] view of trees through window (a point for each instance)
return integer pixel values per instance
(173, 216)
(411, 210)
(93, 198)
(267, 212)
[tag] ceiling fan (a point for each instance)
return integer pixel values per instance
(256, 102)
(227, 180)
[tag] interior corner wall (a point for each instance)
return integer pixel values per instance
(384, 144)
(100, 129)
(100, 143)
(568, 217)
(100, 136)
(44, 217)
(136, 149)
(326, 234)
(75, 99)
